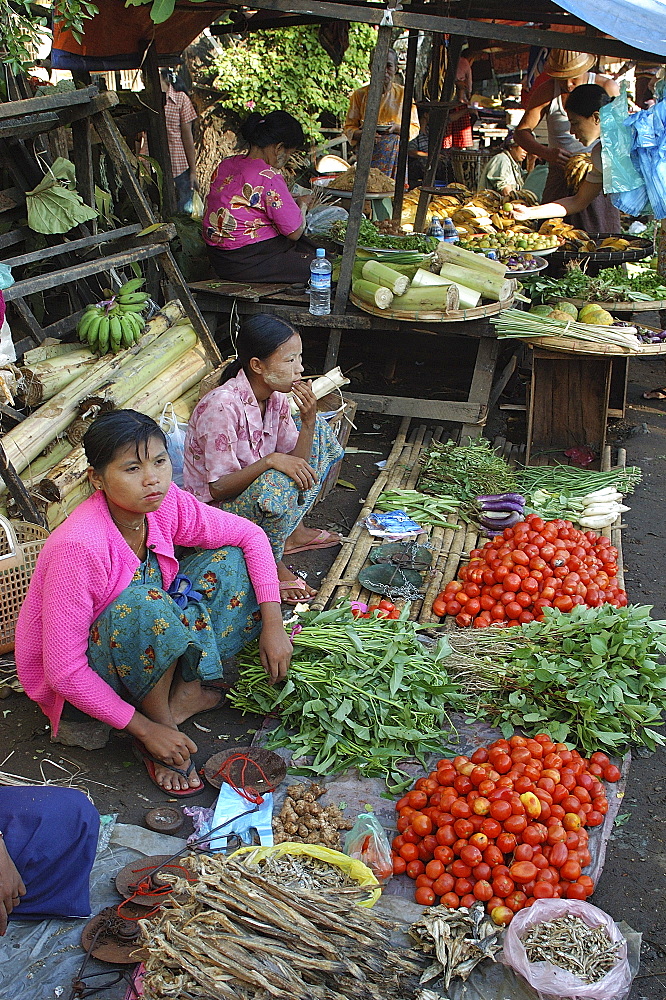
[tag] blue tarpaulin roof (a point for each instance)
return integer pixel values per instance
(641, 23)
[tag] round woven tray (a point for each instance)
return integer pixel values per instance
(566, 346)
(622, 307)
(433, 315)
(646, 249)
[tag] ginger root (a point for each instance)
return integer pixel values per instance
(303, 819)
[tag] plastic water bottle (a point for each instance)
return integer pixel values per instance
(436, 229)
(320, 284)
(450, 231)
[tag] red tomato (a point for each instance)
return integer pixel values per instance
(446, 836)
(612, 773)
(409, 852)
(434, 869)
(502, 886)
(523, 872)
(399, 864)
(471, 855)
(543, 890)
(415, 868)
(443, 884)
(421, 824)
(506, 842)
(423, 880)
(576, 891)
(451, 900)
(491, 827)
(424, 896)
(500, 810)
(417, 799)
(523, 852)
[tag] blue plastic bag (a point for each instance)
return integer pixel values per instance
(649, 153)
(622, 181)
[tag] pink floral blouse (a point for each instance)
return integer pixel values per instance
(227, 432)
(248, 202)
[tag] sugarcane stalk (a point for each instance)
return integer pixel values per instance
(184, 373)
(28, 439)
(42, 380)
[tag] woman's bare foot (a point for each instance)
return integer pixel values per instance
(301, 591)
(303, 538)
(188, 698)
(172, 782)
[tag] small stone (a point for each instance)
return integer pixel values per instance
(91, 734)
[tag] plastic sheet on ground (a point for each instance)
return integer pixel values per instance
(359, 794)
(39, 959)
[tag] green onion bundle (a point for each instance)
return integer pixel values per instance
(421, 508)
(515, 324)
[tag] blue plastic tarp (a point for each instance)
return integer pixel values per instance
(641, 23)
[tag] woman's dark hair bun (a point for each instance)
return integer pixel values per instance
(259, 337)
(587, 99)
(267, 130)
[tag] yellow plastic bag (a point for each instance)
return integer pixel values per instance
(354, 869)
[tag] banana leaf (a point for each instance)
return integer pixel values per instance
(55, 205)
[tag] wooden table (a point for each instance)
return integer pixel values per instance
(216, 299)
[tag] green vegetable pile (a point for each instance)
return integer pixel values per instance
(363, 693)
(611, 285)
(591, 677)
(420, 507)
(465, 472)
(369, 236)
(549, 489)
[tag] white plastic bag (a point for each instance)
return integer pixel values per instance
(551, 981)
(175, 434)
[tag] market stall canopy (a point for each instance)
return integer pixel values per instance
(117, 37)
(641, 23)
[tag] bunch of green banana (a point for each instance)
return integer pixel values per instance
(117, 322)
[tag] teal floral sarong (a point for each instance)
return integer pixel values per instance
(140, 635)
(273, 500)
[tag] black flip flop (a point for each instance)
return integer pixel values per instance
(149, 761)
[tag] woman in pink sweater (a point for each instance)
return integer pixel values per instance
(115, 626)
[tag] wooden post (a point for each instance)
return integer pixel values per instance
(17, 491)
(158, 143)
(408, 97)
(83, 162)
(363, 161)
(439, 117)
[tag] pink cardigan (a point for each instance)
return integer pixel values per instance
(84, 566)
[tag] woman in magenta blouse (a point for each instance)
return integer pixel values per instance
(115, 625)
(252, 224)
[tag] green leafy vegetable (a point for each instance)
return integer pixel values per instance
(362, 693)
(592, 677)
(369, 236)
(612, 284)
(464, 472)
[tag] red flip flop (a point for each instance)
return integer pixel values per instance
(324, 540)
(149, 761)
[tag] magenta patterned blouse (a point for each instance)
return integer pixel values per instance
(248, 202)
(227, 432)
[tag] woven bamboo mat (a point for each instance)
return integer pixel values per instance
(450, 547)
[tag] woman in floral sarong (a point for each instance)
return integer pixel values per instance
(116, 626)
(245, 452)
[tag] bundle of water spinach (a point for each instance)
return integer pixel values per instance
(364, 693)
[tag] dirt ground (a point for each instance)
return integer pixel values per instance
(632, 885)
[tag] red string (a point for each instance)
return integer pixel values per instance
(244, 789)
(145, 888)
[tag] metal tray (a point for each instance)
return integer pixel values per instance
(646, 249)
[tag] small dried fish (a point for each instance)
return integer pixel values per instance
(570, 943)
(301, 870)
(459, 939)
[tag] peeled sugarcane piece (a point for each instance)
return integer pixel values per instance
(449, 253)
(374, 295)
(491, 286)
(468, 298)
(442, 297)
(323, 385)
(381, 274)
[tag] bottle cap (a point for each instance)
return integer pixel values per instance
(321, 252)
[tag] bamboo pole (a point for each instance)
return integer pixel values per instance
(332, 579)
(36, 471)
(183, 407)
(42, 380)
(183, 374)
(24, 442)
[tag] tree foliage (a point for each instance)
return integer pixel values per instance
(288, 69)
(22, 23)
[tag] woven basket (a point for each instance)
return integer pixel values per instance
(20, 544)
(468, 165)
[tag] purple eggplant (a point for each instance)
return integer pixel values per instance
(492, 497)
(505, 505)
(496, 524)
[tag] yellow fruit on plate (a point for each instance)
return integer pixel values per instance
(595, 315)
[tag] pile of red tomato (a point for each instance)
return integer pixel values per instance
(536, 564)
(383, 609)
(505, 826)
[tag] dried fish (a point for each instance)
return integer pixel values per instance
(570, 943)
(304, 872)
(459, 939)
(232, 934)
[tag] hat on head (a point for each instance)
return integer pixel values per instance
(564, 65)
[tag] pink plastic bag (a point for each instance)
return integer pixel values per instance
(549, 980)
